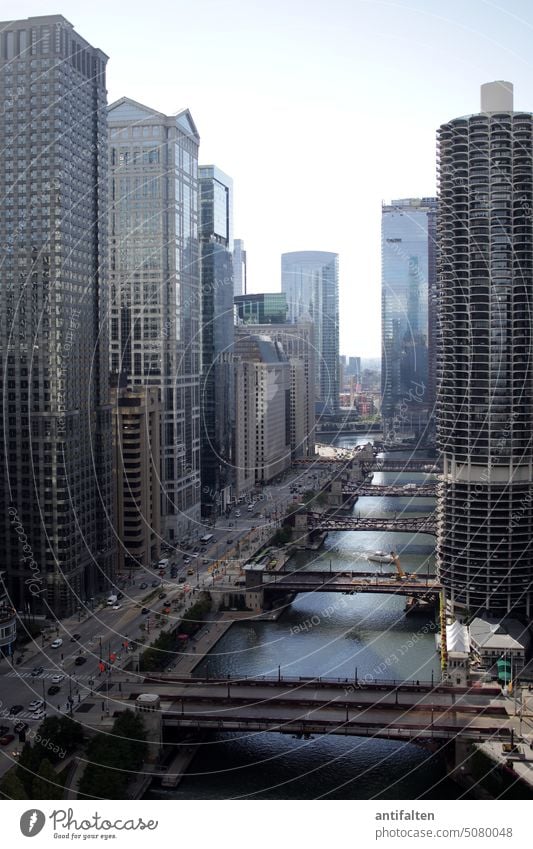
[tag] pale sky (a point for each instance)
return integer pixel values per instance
(318, 109)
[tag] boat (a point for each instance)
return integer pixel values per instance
(380, 557)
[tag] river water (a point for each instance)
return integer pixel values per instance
(331, 634)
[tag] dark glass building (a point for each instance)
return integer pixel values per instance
(264, 308)
(485, 357)
(56, 531)
(217, 388)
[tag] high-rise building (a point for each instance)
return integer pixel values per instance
(239, 268)
(155, 287)
(245, 427)
(408, 271)
(262, 308)
(56, 527)
(217, 397)
(310, 280)
(485, 356)
(296, 340)
(136, 467)
(272, 403)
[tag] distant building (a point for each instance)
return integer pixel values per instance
(408, 272)
(56, 528)
(155, 286)
(217, 399)
(8, 621)
(239, 268)
(296, 341)
(245, 449)
(493, 640)
(137, 471)
(310, 281)
(272, 404)
(264, 308)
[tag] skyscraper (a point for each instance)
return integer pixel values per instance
(217, 397)
(239, 268)
(310, 280)
(485, 362)
(56, 527)
(408, 271)
(155, 286)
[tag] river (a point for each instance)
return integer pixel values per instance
(330, 635)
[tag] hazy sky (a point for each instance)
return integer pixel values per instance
(318, 109)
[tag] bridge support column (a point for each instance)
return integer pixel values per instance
(300, 532)
(335, 498)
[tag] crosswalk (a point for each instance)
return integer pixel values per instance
(48, 674)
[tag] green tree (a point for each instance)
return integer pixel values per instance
(114, 757)
(46, 784)
(12, 787)
(27, 767)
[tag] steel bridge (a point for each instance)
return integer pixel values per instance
(417, 524)
(424, 490)
(415, 585)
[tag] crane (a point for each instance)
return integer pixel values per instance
(396, 560)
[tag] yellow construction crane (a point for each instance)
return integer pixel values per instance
(396, 560)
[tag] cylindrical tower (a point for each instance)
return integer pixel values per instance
(484, 356)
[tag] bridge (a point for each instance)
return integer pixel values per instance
(417, 524)
(411, 465)
(424, 490)
(414, 585)
(395, 710)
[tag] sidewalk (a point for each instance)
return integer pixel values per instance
(209, 636)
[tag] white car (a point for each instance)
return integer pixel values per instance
(116, 607)
(56, 679)
(38, 714)
(36, 705)
(56, 643)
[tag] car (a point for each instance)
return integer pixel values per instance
(237, 513)
(6, 739)
(15, 709)
(57, 679)
(145, 610)
(194, 555)
(196, 548)
(36, 704)
(38, 670)
(20, 726)
(190, 571)
(57, 643)
(4, 729)
(116, 607)
(186, 558)
(143, 586)
(120, 595)
(53, 690)
(181, 579)
(155, 583)
(205, 561)
(80, 661)
(162, 595)
(75, 637)
(38, 714)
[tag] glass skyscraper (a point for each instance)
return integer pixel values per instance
(217, 388)
(155, 287)
(408, 272)
(56, 528)
(310, 281)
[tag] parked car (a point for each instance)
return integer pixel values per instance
(80, 660)
(53, 690)
(38, 714)
(143, 586)
(15, 709)
(57, 643)
(6, 739)
(116, 607)
(36, 704)
(120, 595)
(162, 595)
(145, 610)
(75, 637)
(38, 670)
(155, 583)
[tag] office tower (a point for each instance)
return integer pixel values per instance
(137, 471)
(310, 280)
(239, 268)
(56, 528)
(8, 621)
(272, 403)
(262, 308)
(485, 364)
(155, 287)
(407, 272)
(245, 427)
(296, 340)
(217, 401)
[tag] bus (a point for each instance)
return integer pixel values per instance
(206, 538)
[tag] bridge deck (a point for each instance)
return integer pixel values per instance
(356, 582)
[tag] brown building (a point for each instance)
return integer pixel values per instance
(136, 469)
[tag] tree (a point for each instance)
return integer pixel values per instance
(111, 764)
(12, 787)
(61, 734)
(46, 784)
(27, 767)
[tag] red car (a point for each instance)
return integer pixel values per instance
(6, 739)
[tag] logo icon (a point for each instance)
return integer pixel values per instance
(32, 822)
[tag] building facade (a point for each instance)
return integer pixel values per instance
(310, 281)
(262, 308)
(407, 273)
(239, 268)
(137, 472)
(485, 357)
(217, 396)
(56, 530)
(155, 287)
